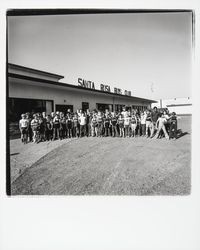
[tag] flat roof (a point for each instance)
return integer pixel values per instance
(67, 85)
(16, 66)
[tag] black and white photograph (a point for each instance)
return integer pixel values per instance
(99, 125)
(99, 102)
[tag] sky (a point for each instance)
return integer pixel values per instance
(147, 53)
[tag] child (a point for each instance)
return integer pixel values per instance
(100, 124)
(94, 125)
(23, 126)
(143, 123)
(42, 124)
(148, 123)
(63, 126)
(167, 124)
(138, 126)
(88, 122)
(69, 122)
(113, 123)
(82, 121)
(49, 128)
(56, 127)
(173, 126)
(30, 133)
(126, 125)
(133, 123)
(120, 122)
(35, 128)
(75, 126)
(107, 125)
(160, 124)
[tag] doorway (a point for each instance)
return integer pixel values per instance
(64, 108)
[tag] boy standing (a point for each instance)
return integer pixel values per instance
(154, 117)
(49, 128)
(126, 125)
(107, 124)
(100, 124)
(133, 124)
(75, 126)
(120, 122)
(113, 122)
(56, 126)
(173, 126)
(148, 123)
(160, 124)
(23, 126)
(35, 128)
(94, 125)
(143, 123)
(82, 121)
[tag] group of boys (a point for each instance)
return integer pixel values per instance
(57, 125)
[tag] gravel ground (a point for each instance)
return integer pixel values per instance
(104, 166)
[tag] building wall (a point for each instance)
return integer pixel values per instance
(65, 96)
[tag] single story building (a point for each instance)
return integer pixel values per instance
(32, 90)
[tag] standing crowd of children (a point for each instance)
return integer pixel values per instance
(57, 125)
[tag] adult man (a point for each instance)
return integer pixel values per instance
(154, 117)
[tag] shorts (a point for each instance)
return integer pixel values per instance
(35, 128)
(24, 130)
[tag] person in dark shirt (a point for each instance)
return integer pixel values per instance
(154, 116)
(69, 123)
(88, 123)
(30, 135)
(49, 128)
(113, 123)
(63, 126)
(106, 125)
(173, 126)
(120, 122)
(76, 132)
(56, 126)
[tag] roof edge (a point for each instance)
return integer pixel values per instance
(35, 70)
(75, 87)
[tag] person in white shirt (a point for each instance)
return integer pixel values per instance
(160, 124)
(127, 125)
(124, 112)
(82, 122)
(23, 126)
(143, 123)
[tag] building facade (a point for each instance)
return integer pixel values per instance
(31, 90)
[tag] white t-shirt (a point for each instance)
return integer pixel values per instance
(23, 123)
(143, 119)
(126, 121)
(82, 120)
(124, 113)
(161, 121)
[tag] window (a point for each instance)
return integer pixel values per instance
(17, 106)
(102, 107)
(85, 106)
